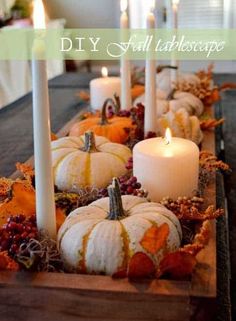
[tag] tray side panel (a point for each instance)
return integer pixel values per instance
(45, 296)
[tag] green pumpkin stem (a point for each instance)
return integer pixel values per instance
(116, 211)
(117, 103)
(171, 95)
(109, 102)
(89, 142)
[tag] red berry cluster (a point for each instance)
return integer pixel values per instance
(150, 135)
(17, 231)
(128, 186)
(102, 193)
(122, 113)
(129, 165)
(137, 115)
(138, 112)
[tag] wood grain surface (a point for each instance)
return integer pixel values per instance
(204, 278)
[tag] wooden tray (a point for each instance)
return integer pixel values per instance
(53, 296)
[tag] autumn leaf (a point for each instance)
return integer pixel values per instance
(84, 95)
(27, 171)
(155, 238)
(211, 123)
(7, 263)
(178, 265)
(21, 201)
(120, 274)
(141, 266)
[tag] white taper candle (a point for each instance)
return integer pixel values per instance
(45, 203)
(125, 70)
(174, 61)
(150, 121)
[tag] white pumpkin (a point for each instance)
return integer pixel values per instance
(190, 78)
(181, 125)
(176, 101)
(163, 79)
(103, 237)
(87, 161)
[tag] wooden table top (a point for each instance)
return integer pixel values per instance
(228, 104)
(16, 131)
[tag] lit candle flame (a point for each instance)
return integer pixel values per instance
(39, 15)
(104, 72)
(123, 5)
(175, 2)
(168, 136)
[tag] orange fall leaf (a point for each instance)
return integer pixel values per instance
(84, 95)
(155, 238)
(211, 123)
(26, 170)
(178, 264)
(141, 266)
(21, 201)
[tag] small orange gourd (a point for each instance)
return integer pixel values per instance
(137, 90)
(116, 129)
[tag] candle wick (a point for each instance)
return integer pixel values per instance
(167, 142)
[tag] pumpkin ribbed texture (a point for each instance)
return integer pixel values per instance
(90, 242)
(75, 168)
(192, 104)
(182, 125)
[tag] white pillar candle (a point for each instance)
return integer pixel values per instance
(103, 88)
(45, 203)
(174, 61)
(167, 169)
(126, 101)
(150, 119)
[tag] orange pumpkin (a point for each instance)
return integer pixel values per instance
(116, 129)
(137, 90)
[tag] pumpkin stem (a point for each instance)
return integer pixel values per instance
(117, 103)
(162, 67)
(171, 94)
(110, 102)
(116, 211)
(89, 142)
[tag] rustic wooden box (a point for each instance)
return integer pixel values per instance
(53, 296)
